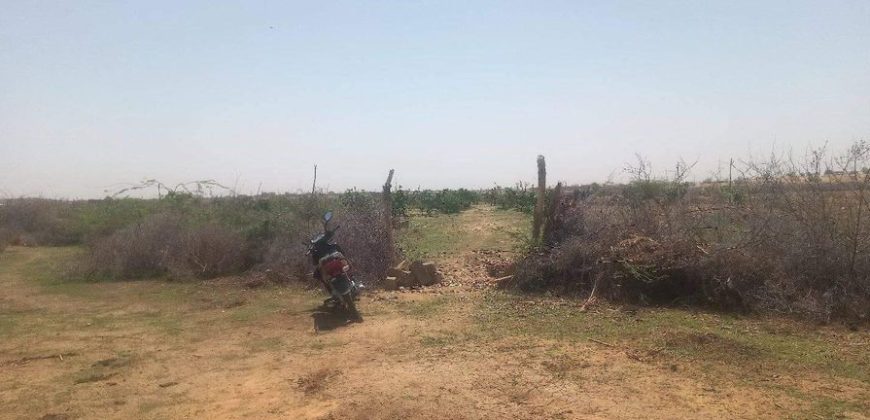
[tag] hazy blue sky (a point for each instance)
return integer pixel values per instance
(462, 93)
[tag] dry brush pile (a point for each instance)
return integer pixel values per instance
(789, 236)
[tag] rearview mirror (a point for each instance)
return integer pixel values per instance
(327, 217)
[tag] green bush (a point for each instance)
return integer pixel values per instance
(520, 198)
(401, 202)
(190, 235)
(445, 201)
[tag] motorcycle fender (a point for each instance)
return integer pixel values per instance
(341, 285)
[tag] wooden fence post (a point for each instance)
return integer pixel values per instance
(537, 221)
(387, 198)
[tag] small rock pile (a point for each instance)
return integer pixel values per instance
(413, 274)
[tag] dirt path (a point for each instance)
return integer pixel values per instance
(152, 349)
(471, 248)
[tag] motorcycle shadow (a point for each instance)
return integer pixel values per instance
(327, 318)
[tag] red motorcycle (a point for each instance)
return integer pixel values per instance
(333, 270)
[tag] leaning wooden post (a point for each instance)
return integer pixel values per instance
(387, 198)
(537, 221)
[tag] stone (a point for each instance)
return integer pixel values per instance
(403, 278)
(407, 279)
(391, 283)
(425, 274)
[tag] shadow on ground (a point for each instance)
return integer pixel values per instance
(328, 318)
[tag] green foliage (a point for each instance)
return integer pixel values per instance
(520, 198)
(452, 235)
(188, 233)
(102, 217)
(354, 198)
(401, 202)
(666, 192)
(733, 194)
(444, 201)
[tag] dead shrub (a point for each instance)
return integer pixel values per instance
(786, 238)
(361, 235)
(37, 221)
(365, 240)
(208, 251)
(285, 256)
(162, 244)
(142, 250)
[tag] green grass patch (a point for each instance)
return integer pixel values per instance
(831, 408)
(431, 237)
(480, 228)
(677, 333)
(56, 270)
(426, 308)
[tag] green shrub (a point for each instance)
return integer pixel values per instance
(190, 235)
(521, 198)
(401, 202)
(445, 201)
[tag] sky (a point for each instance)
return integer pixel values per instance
(95, 95)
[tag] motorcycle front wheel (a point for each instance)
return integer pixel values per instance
(350, 306)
